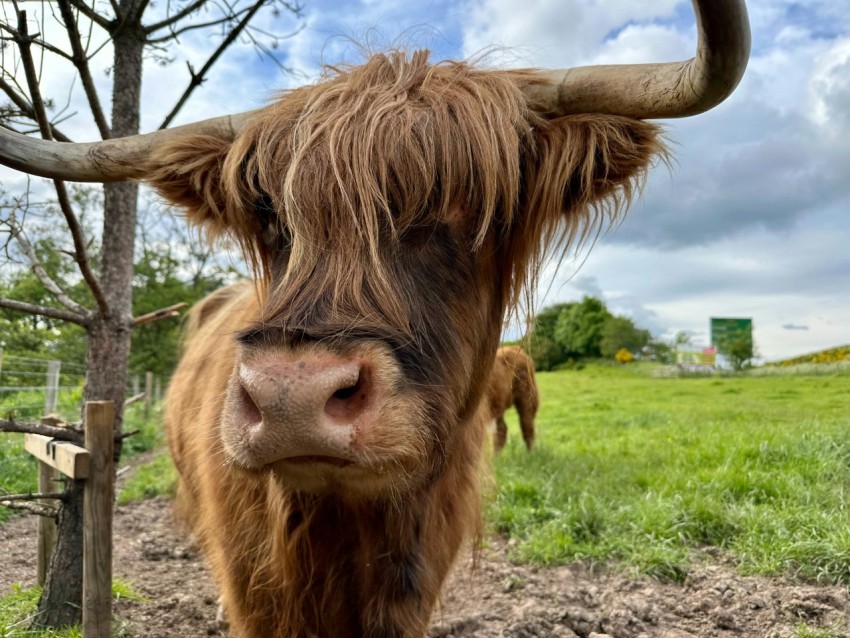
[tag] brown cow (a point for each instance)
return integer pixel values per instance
(394, 212)
(512, 383)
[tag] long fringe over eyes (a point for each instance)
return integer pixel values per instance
(354, 163)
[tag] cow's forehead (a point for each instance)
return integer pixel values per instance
(382, 149)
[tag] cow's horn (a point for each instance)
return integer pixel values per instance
(651, 91)
(106, 161)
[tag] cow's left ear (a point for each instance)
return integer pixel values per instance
(587, 167)
(188, 173)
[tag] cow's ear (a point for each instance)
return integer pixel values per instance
(188, 173)
(587, 168)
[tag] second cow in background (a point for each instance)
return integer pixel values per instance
(512, 383)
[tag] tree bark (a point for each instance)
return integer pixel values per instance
(108, 335)
(61, 600)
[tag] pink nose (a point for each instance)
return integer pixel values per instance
(307, 406)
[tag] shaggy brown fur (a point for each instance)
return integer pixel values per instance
(396, 209)
(512, 383)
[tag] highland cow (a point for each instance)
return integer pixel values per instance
(512, 383)
(327, 418)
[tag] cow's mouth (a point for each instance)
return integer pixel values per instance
(317, 458)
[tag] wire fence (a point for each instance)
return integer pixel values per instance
(31, 388)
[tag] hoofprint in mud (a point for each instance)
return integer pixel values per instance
(494, 599)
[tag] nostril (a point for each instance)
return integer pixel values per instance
(250, 413)
(346, 393)
(350, 401)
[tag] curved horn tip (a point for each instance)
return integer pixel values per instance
(653, 91)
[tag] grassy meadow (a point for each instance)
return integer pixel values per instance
(642, 470)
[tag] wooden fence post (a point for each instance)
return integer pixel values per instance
(97, 521)
(46, 535)
(148, 393)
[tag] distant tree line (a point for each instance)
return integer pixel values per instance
(586, 329)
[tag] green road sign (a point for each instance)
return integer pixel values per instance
(726, 329)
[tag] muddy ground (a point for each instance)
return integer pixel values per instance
(497, 599)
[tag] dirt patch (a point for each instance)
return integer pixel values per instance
(496, 599)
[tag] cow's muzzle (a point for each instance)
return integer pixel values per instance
(305, 406)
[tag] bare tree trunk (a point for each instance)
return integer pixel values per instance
(109, 340)
(62, 598)
(108, 336)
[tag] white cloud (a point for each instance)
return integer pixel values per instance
(829, 89)
(554, 33)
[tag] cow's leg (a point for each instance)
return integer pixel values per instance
(526, 423)
(500, 436)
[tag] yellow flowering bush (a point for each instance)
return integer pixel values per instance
(624, 356)
(833, 355)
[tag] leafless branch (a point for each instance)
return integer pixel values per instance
(5, 27)
(134, 399)
(143, 5)
(81, 63)
(198, 78)
(265, 50)
(54, 50)
(277, 36)
(37, 267)
(173, 35)
(44, 311)
(63, 434)
(158, 315)
(32, 508)
(24, 44)
(26, 109)
(91, 14)
(17, 233)
(80, 252)
(171, 20)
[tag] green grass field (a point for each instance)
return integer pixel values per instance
(643, 470)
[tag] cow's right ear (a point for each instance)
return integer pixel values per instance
(188, 173)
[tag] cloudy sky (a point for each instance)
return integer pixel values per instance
(751, 220)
